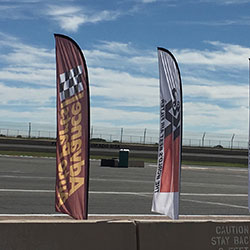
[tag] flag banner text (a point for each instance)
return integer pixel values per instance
(72, 154)
(167, 180)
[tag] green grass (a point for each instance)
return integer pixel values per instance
(196, 163)
(42, 154)
(99, 157)
(217, 164)
(20, 153)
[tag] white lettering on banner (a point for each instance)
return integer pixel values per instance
(161, 148)
(231, 237)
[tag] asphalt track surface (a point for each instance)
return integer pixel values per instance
(27, 187)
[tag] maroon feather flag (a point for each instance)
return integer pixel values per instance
(72, 146)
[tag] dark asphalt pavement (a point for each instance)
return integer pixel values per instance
(27, 187)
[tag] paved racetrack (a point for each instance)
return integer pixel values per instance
(27, 187)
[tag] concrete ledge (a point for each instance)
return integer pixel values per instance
(194, 235)
(54, 235)
(136, 164)
(135, 232)
(109, 162)
(115, 163)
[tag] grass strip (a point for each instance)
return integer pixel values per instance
(215, 164)
(99, 157)
(23, 153)
(43, 154)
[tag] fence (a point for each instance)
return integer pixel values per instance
(215, 140)
(127, 135)
(192, 139)
(27, 130)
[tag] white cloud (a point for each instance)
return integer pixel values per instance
(71, 17)
(13, 12)
(215, 118)
(123, 89)
(70, 23)
(111, 54)
(224, 56)
(218, 54)
(170, 3)
(25, 96)
(127, 118)
(148, 1)
(235, 93)
(104, 15)
(42, 115)
(226, 2)
(147, 59)
(36, 77)
(25, 1)
(219, 22)
(24, 63)
(195, 79)
(67, 15)
(117, 47)
(98, 57)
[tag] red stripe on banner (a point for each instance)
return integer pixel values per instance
(171, 165)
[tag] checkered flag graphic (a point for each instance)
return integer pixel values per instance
(70, 83)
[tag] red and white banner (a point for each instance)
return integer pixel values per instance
(167, 180)
(72, 154)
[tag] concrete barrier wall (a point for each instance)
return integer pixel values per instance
(125, 235)
(194, 235)
(67, 236)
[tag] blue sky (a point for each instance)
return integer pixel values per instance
(209, 38)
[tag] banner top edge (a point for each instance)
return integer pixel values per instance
(172, 56)
(67, 37)
(161, 48)
(73, 42)
(62, 35)
(166, 50)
